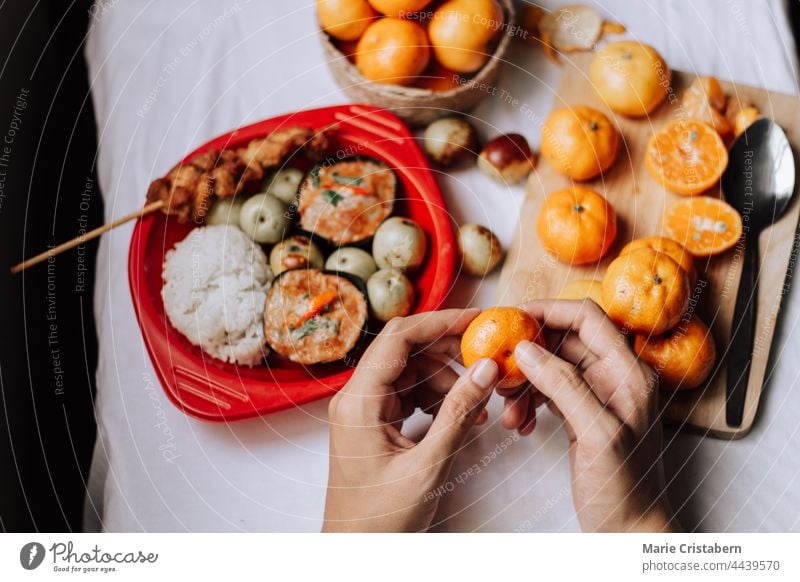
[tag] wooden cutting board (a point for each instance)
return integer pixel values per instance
(531, 273)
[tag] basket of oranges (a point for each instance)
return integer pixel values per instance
(420, 59)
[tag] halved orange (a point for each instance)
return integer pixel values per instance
(686, 156)
(704, 225)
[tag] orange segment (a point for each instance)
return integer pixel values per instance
(686, 157)
(704, 225)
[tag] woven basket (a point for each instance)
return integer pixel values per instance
(415, 105)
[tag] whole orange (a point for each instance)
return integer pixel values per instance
(494, 334)
(437, 78)
(581, 289)
(684, 357)
(645, 291)
(392, 51)
(399, 8)
(345, 19)
(577, 225)
(461, 32)
(579, 142)
(668, 246)
(631, 77)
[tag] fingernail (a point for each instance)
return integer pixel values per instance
(527, 353)
(484, 373)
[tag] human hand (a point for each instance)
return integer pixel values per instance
(607, 398)
(378, 477)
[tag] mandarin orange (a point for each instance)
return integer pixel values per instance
(579, 142)
(645, 291)
(345, 19)
(631, 77)
(668, 246)
(705, 101)
(704, 225)
(581, 289)
(686, 157)
(683, 357)
(399, 8)
(393, 51)
(462, 32)
(577, 225)
(494, 334)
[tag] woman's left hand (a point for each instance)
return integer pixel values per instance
(379, 479)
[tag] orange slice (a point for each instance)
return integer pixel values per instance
(686, 156)
(705, 226)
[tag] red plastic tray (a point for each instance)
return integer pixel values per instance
(209, 389)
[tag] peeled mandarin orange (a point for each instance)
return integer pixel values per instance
(705, 101)
(645, 291)
(668, 246)
(577, 225)
(345, 19)
(461, 33)
(392, 51)
(579, 142)
(709, 90)
(683, 357)
(686, 157)
(744, 118)
(399, 8)
(582, 289)
(741, 115)
(631, 77)
(704, 225)
(494, 334)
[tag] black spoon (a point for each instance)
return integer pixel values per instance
(759, 183)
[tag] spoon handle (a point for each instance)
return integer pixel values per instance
(743, 326)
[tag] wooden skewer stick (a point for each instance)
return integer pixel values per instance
(92, 234)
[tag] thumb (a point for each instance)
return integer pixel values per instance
(460, 409)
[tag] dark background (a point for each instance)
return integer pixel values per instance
(46, 434)
(46, 437)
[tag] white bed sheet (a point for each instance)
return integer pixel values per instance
(166, 76)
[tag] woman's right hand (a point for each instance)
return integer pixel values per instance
(608, 400)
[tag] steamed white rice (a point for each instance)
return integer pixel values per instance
(215, 287)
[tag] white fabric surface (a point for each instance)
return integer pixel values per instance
(167, 76)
